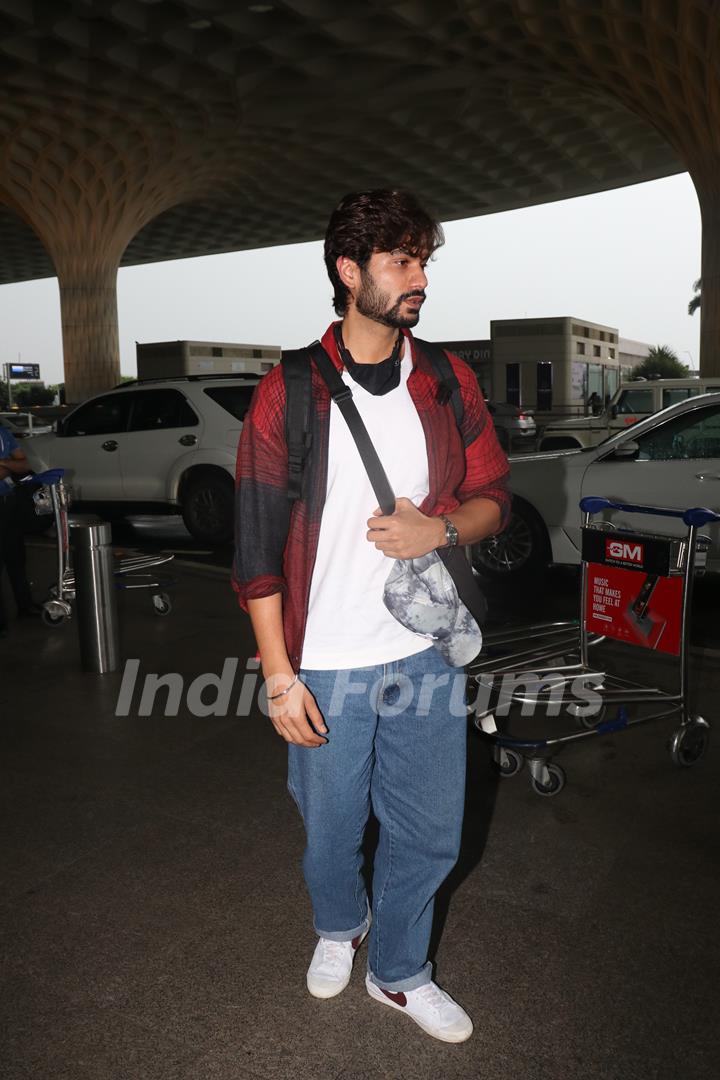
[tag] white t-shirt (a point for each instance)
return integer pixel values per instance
(348, 625)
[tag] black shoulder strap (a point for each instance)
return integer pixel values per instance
(342, 396)
(297, 375)
(449, 388)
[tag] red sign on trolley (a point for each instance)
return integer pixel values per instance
(629, 595)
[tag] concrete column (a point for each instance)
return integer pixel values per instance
(88, 310)
(710, 306)
(659, 59)
(86, 187)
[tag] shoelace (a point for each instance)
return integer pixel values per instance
(334, 952)
(433, 996)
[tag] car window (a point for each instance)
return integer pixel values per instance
(155, 410)
(671, 395)
(234, 399)
(692, 435)
(635, 401)
(102, 416)
(17, 420)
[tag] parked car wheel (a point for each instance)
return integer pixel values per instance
(208, 504)
(522, 548)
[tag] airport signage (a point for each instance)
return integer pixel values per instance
(23, 371)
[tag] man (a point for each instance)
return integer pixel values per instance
(335, 660)
(594, 404)
(13, 463)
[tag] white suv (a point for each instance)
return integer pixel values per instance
(162, 445)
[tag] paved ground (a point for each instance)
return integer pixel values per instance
(154, 920)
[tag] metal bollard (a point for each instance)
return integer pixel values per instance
(95, 594)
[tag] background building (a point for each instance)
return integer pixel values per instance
(632, 353)
(554, 365)
(550, 365)
(478, 354)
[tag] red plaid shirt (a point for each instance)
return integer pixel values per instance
(276, 541)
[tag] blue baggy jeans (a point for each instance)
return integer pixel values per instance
(397, 742)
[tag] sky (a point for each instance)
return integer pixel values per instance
(626, 258)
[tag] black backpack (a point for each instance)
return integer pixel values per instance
(298, 389)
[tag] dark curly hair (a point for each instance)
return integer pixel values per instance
(381, 220)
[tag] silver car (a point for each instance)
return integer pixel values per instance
(514, 427)
(670, 459)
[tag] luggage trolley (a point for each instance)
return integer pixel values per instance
(636, 589)
(131, 572)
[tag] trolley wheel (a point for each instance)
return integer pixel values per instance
(555, 784)
(690, 742)
(584, 720)
(162, 603)
(52, 619)
(508, 761)
(55, 612)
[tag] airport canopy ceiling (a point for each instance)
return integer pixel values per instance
(187, 128)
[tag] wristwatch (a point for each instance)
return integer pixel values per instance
(451, 533)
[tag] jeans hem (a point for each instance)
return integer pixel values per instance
(423, 977)
(344, 935)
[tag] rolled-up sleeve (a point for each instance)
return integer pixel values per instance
(487, 469)
(262, 508)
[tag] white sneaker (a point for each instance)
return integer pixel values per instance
(331, 966)
(430, 1007)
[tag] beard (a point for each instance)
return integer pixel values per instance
(374, 304)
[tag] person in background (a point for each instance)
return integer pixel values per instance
(13, 464)
(594, 403)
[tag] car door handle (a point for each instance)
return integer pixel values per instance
(707, 476)
(109, 445)
(187, 440)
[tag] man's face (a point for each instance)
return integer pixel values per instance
(392, 288)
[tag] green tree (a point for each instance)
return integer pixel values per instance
(696, 301)
(25, 394)
(662, 362)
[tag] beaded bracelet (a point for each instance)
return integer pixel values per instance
(282, 693)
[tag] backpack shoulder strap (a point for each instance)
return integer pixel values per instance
(342, 395)
(297, 375)
(449, 388)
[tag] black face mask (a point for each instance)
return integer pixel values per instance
(377, 379)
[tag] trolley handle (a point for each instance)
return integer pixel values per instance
(696, 515)
(49, 477)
